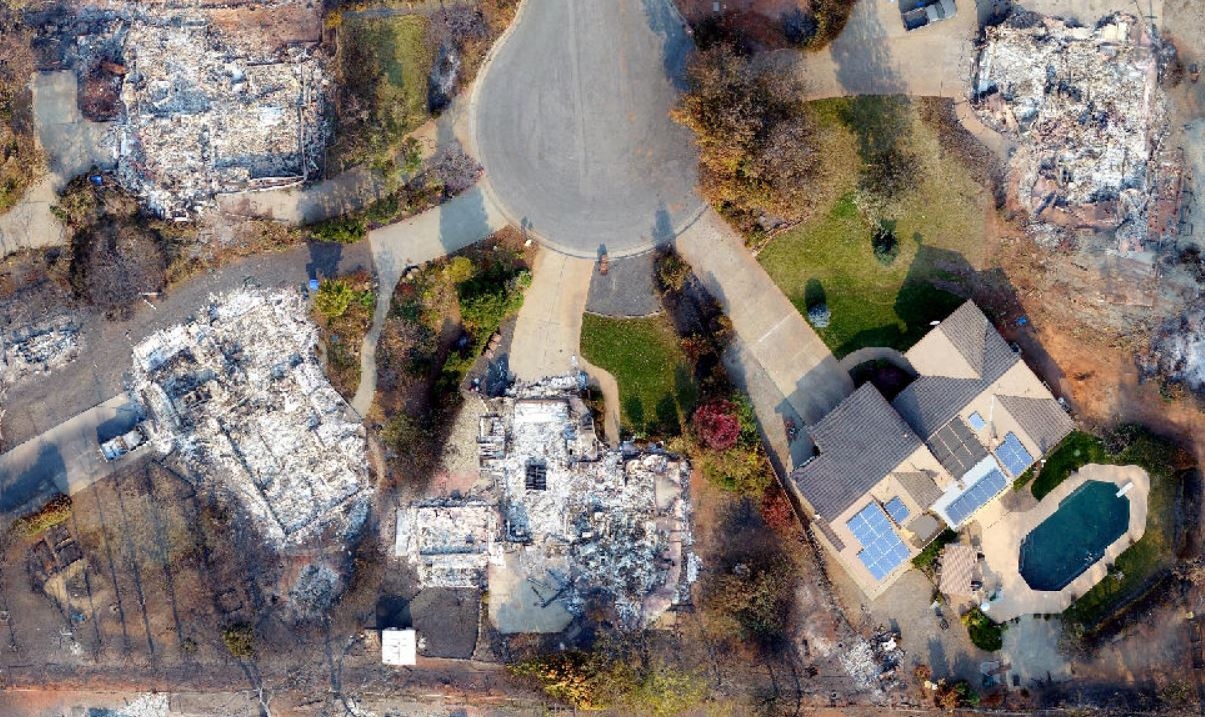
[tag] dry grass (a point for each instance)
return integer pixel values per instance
(20, 160)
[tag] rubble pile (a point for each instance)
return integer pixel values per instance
(238, 395)
(450, 542)
(1089, 116)
(579, 520)
(40, 347)
(1177, 350)
(202, 118)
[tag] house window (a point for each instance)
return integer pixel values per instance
(897, 510)
(976, 421)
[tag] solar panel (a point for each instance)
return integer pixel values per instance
(897, 510)
(1013, 455)
(976, 496)
(882, 550)
(956, 448)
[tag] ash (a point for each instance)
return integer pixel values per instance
(582, 522)
(1177, 350)
(195, 111)
(238, 395)
(201, 119)
(1086, 107)
(36, 348)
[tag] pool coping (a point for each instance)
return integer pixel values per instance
(1001, 543)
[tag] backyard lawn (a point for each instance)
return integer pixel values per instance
(936, 217)
(656, 391)
(1141, 563)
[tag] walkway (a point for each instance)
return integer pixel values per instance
(775, 348)
(71, 145)
(571, 120)
(437, 232)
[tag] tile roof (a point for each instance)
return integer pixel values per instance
(921, 487)
(1042, 419)
(929, 402)
(860, 442)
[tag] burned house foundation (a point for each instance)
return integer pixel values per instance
(566, 523)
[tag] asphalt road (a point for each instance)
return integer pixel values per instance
(571, 122)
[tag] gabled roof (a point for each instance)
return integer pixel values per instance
(930, 401)
(860, 442)
(1042, 419)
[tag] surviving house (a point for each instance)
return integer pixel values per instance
(889, 476)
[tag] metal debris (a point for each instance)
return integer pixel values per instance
(201, 118)
(238, 395)
(1089, 115)
(580, 520)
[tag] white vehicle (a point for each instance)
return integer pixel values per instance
(115, 448)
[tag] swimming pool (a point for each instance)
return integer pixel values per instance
(1069, 542)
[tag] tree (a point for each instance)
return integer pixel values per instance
(755, 134)
(819, 315)
(716, 425)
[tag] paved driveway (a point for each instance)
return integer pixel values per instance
(65, 459)
(571, 122)
(778, 358)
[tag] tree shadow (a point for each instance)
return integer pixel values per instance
(121, 423)
(663, 227)
(324, 259)
(863, 62)
(44, 478)
(813, 294)
(633, 408)
(676, 45)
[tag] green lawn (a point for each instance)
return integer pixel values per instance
(1077, 449)
(656, 391)
(938, 220)
(383, 64)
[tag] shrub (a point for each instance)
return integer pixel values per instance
(333, 298)
(716, 425)
(755, 133)
(926, 559)
(672, 271)
(886, 245)
(239, 640)
(58, 510)
(739, 469)
(776, 508)
(986, 634)
(344, 230)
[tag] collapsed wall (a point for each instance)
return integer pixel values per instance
(200, 118)
(1086, 109)
(566, 521)
(238, 395)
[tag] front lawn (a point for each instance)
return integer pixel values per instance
(382, 66)
(656, 391)
(936, 216)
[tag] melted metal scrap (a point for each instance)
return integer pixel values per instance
(238, 394)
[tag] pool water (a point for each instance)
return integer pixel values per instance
(1071, 540)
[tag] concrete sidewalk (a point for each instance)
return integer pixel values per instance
(436, 232)
(65, 459)
(787, 370)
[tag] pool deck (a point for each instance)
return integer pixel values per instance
(1003, 531)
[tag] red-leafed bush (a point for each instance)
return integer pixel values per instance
(716, 425)
(776, 508)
